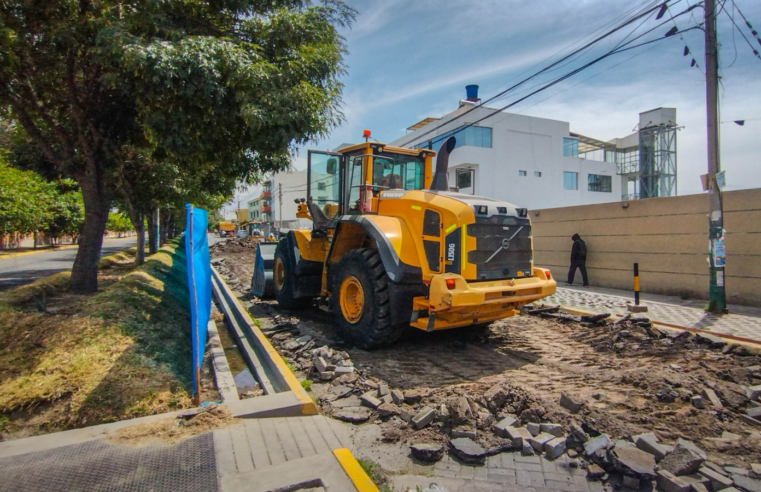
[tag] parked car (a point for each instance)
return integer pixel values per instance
(242, 233)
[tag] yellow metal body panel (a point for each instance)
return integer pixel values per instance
(478, 302)
(313, 249)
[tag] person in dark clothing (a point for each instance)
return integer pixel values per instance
(578, 260)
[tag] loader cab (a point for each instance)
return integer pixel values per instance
(351, 181)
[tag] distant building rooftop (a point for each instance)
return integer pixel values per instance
(421, 124)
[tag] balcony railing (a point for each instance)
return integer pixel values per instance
(266, 209)
(266, 194)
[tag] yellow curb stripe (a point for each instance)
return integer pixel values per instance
(46, 250)
(308, 406)
(357, 475)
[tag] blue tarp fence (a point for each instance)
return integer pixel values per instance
(199, 284)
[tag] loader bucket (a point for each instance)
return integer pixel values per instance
(261, 282)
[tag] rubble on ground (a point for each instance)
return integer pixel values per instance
(715, 387)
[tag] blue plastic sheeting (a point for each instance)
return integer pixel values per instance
(199, 282)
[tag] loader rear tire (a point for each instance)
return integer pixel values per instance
(360, 300)
(284, 282)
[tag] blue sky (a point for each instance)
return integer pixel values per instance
(410, 60)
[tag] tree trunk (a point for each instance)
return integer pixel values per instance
(165, 224)
(140, 230)
(97, 201)
(153, 231)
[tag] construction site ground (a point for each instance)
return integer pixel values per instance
(630, 380)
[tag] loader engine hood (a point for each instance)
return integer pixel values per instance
(497, 242)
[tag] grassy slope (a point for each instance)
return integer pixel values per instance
(121, 353)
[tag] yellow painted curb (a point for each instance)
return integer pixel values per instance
(308, 406)
(46, 250)
(357, 475)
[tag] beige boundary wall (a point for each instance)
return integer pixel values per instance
(668, 237)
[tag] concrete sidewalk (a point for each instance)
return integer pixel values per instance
(257, 454)
(743, 321)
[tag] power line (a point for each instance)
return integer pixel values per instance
(747, 23)
(596, 40)
(755, 51)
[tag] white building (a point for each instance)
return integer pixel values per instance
(531, 162)
(287, 187)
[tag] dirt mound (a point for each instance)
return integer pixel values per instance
(173, 430)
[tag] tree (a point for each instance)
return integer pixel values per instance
(25, 201)
(225, 89)
(67, 212)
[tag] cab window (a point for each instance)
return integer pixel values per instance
(397, 171)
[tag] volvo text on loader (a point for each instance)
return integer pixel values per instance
(391, 247)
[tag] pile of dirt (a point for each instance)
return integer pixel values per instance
(171, 430)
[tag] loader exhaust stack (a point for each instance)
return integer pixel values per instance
(440, 180)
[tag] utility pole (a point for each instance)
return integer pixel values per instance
(716, 296)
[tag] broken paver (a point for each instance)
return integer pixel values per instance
(537, 442)
(344, 370)
(668, 482)
(630, 482)
(413, 396)
(526, 449)
(753, 412)
(427, 451)
(634, 461)
(747, 483)
(468, 450)
(387, 410)
(681, 461)
(649, 444)
(593, 445)
(554, 429)
(555, 448)
(753, 392)
(383, 390)
(595, 472)
(570, 403)
(692, 447)
(749, 420)
(711, 396)
(463, 431)
(424, 417)
(369, 399)
(354, 415)
(718, 481)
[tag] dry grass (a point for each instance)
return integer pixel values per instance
(121, 353)
(173, 430)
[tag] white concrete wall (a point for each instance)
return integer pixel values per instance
(525, 143)
(294, 185)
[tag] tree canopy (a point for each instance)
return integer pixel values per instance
(202, 92)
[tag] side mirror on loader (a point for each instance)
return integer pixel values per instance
(332, 165)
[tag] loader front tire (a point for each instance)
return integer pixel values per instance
(360, 300)
(284, 281)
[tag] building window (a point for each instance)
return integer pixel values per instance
(474, 136)
(599, 182)
(537, 174)
(521, 173)
(570, 147)
(570, 181)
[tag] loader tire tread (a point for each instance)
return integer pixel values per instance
(375, 328)
(286, 297)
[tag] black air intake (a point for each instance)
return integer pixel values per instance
(440, 178)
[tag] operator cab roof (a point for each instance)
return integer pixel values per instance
(386, 148)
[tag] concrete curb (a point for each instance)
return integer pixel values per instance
(352, 468)
(222, 375)
(269, 356)
(36, 252)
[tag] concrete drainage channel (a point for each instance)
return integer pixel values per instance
(283, 394)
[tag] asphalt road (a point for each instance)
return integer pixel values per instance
(24, 269)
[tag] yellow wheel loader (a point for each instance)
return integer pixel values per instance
(392, 247)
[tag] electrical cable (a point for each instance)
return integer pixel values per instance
(747, 23)
(595, 41)
(754, 50)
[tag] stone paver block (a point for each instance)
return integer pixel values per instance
(692, 447)
(534, 428)
(427, 451)
(344, 370)
(555, 448)
(634, 461)
(424, 417)
(517, 435)
(569, 403)
(500, 428)
(383, 390)
(754, 392)
(397, 396)
(747, 483)
(711, 396)
(467, 450)
(537, 442)
(369, 399)
(554, 429)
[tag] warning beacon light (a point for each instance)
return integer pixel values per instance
(366, 134)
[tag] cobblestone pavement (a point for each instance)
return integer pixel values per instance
(523, 471)
(666, 309)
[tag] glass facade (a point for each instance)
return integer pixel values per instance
(598, 182)
(474, 136)
(570, 181)
(570, 147)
